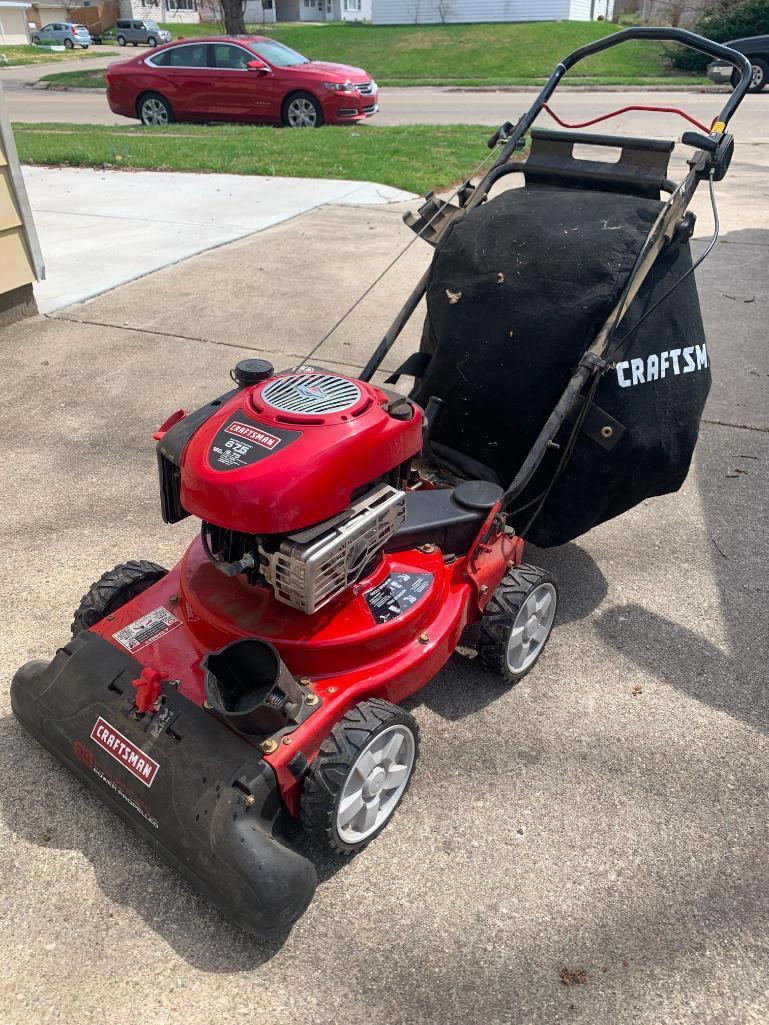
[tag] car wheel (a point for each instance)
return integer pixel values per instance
(301, 110)
(154, 109)
(86, 45)
(36, 40)
(121, 40)
(69, 45)
(760, 75)
(517, 621)
(362, 771)
(152, 41)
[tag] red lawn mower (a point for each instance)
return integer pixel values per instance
(349, 533)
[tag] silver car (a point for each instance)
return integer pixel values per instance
(140, 31)
(62, 33)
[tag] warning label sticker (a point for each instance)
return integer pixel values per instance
(149, 628)
(397, 594)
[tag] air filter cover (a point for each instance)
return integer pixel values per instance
(311, 394)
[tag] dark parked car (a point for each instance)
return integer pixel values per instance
(239, 78)
(754, 47)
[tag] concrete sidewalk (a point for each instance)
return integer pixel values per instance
(100, 229)
(608, 814)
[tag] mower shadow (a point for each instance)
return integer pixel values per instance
(467, 688)
(50, 809)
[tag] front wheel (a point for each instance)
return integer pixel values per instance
(760, 75)
(516, 623)
(360, 775)
(113, 590)
(152, 41)
(36, 40)
(302, 111)
(155, 109)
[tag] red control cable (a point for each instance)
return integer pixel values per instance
(624, 110)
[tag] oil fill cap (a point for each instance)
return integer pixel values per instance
(251, 371)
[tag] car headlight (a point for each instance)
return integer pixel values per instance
(339, 87)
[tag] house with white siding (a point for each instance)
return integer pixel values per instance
(432, 12)
(377, 12)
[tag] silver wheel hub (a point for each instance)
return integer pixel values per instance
(531, 628)
(375, 784)
(757, 75)
(302, 113)
(154, 113)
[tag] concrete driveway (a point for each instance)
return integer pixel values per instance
(99, 229)
(607, 816)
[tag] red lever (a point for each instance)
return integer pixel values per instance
(148, 688)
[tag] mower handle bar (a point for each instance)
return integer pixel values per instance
(675, 35)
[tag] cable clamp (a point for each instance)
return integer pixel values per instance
(595, 363)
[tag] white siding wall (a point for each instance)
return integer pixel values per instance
(364, 14)
(580, 10)
(255, 13)
(410, 12)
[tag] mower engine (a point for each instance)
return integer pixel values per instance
(327, 459)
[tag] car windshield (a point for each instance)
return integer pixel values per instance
(277, 54)
(152, 26)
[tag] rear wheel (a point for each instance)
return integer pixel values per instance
(154, 109)
(121, 40)
(360, 775)
(760, 75)
(301, 110)
(516, 624)
(113, 590)
(69, 44)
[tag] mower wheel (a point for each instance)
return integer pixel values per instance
(114, 589)
(517, 621)
(362, 771)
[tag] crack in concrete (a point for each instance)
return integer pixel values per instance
(196, 338)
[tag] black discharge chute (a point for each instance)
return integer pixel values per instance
(517, 290)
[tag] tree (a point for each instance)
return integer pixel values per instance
(234, 17)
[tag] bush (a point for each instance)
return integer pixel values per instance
(722, 22)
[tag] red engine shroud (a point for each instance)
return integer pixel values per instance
(300, 469)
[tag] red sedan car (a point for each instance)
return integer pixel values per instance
(238, 78)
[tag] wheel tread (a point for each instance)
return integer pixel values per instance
(327, 774)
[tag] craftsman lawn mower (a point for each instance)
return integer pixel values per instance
(350, 533)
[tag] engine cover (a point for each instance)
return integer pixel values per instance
(295, 450)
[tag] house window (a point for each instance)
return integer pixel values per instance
(181, 5)
(352, 5)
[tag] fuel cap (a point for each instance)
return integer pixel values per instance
(251, 371)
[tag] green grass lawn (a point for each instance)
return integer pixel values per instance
(413, 157)
(82, 79)
(498, 54)
(18, 55)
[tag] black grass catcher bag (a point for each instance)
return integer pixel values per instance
(518, 289)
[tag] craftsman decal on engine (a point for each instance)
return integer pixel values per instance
(262, 438)
(238, 444)
(124, 751)
(149, 628)
(397, 594)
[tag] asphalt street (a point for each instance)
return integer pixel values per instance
(428, 106)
